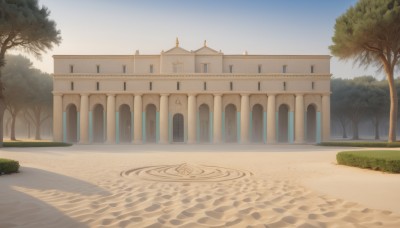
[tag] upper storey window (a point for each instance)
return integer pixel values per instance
(151, 69)
(230, 68)
(124, 69)
(259, 69)
(312, 68)
(98, 68)
(71, 69)
(205, 68)
(284, 69)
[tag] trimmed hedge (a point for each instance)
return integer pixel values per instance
(384, 160)
(34, 144)
(360, 144)
(8, 166)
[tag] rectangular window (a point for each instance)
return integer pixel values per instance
(124, 86)
(230, 68)
(150, 86)
(205, 68)
(151, 70)
(312, 85)
(97, 86)
(231, 86)
(71, 69)
(124, 69)
(177, 85)
(98, 68)
(284, 68)
(205, 86)
(312, 69)
(259, 69)
(284, 85)
(259, 86)
(72, 85)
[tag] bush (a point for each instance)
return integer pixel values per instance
(384, 160)
(8, 166)
(360, 144)
(35, 144)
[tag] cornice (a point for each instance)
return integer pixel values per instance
(197, 76)
(235, 56)
(215, 93)
(93, 56)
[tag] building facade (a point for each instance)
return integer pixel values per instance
(182, 96)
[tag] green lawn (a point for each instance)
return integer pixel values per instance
(34, 144)
(384, 160)
(360, 144)
(8, 166)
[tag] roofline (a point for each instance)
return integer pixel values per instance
(229, 56)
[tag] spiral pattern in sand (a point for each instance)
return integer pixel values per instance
(186, 173)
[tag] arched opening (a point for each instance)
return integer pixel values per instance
(257, 125)
(72, 124)
(230, 124)
(311, 124)
(151, 135)
(125, 124)
(178, 128)
(283, 123)
(204, 118)
(98, 124)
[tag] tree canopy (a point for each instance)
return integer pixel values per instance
(369, 33)
(24, 25)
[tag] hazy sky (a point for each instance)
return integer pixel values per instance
(233, 26)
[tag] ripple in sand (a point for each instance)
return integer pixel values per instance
(186, 173)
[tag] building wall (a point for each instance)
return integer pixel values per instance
(179, 75)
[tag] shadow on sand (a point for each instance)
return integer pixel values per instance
(18, 207)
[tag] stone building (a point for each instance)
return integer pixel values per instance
(200, 96)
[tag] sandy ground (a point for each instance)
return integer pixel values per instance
(235, 186)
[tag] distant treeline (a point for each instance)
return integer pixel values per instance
(28, 99)
(360, 106)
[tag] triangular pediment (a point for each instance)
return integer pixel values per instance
(177, 51)
(206, 51)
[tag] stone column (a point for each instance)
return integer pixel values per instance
(57, 117)
(217, 118)
(244, 118)
(299, 119)
(84, 119)
(271, 131)
(326, 117)
(137, 119)
(110, 118)
(164, 119)
(192, 120)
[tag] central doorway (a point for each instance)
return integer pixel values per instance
(178, 130)
(125, 124)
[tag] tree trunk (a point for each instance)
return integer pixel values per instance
(393, 104)
(377, 137)
(14, 118)
(343, 123)
(37, 133)
(37, 113)
(355, 130)
(29, 130)
(7, 128)
(2, 109)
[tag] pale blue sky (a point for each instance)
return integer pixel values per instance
(233, 26)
